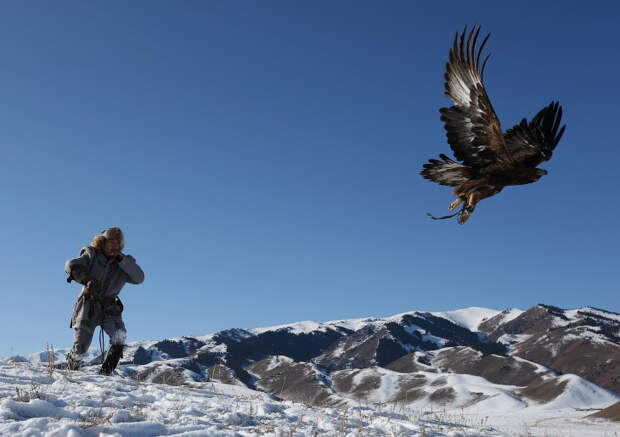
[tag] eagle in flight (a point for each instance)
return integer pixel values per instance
(489, 159)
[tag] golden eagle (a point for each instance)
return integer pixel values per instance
(490, 159)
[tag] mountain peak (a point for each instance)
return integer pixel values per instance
(469, 318)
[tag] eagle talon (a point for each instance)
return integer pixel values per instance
(465, 214)
(456, 203)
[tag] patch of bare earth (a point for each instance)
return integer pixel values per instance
(610, 413)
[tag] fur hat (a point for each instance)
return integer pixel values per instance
(112, 233)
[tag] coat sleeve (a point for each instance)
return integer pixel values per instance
(84, 260)
(133, 270)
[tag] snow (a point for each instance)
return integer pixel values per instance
(308, 326)
(499, 410)
(571, 315)
(220, 348)
(601, 313)
(304, 327)
(575, 315)
(511, 314)
(276, 360)
(357, 324)
(510, 339)
(60, 355)
(464, 385)
(469, 318)
(411, 329)
(439, 342)
(579, 392)
(585, 334)
(85, 404)
(538, 368)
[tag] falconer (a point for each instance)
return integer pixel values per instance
(103, 270)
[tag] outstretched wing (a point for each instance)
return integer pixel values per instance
(530, 144)
(473, 130)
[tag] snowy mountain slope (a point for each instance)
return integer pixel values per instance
(491, 323)
(583, 341)
(300, 381)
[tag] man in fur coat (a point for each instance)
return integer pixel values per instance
(103, 270)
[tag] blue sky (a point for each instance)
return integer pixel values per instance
(262, 159)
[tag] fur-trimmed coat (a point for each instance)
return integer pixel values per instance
(111, 274)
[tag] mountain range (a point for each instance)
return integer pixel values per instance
(474, 358)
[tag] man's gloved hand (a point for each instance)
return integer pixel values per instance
(92, 287)
(80, 274)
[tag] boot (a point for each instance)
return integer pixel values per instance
(72, 363)
(111, 359)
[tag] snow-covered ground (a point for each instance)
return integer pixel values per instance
(84, 404)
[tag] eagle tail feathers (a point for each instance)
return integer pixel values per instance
(446, 172)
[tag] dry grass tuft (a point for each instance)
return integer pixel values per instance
(51, 360)
(96, 419)
(34, 393)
